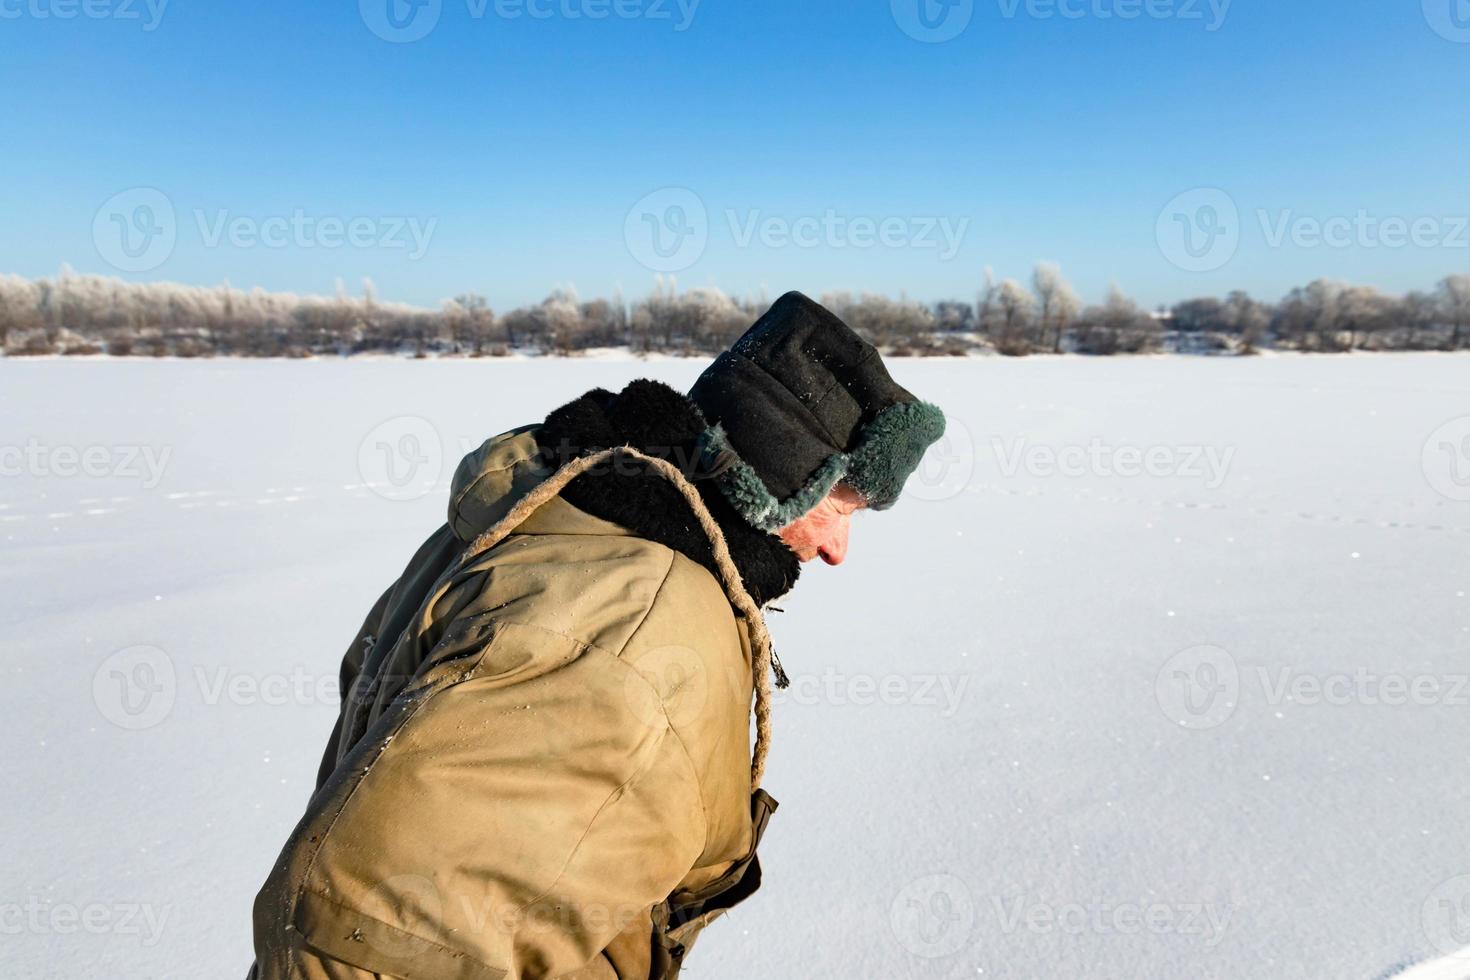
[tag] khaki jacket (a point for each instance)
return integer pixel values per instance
(542, 766)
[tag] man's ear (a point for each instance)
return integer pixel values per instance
(850, 498)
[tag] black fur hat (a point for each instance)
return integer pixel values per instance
(801, 402)
(654, 418)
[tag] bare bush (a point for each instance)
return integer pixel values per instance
(1117, 326)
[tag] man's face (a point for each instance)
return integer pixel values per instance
(823, 530)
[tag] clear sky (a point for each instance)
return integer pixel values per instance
(757, 145)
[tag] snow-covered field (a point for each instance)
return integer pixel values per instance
(1054, 717)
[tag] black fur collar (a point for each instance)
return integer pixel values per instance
(654, 418)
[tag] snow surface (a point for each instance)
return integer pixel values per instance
(1003, 756)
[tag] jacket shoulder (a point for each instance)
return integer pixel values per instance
(593, 589)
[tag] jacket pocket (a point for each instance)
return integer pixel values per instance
(678, 921)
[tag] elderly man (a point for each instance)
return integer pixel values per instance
(543, 765)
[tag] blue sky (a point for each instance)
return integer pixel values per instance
(772, 144)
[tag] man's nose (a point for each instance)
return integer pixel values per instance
(834, 551)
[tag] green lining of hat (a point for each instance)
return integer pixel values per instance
(890, 450)
(747, 492)
(888, 453)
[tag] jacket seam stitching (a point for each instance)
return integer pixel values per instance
(836, 383)
(664, 708)
(578, 641)
(673, 555)
(358, 912)
(611, 798)
(809, 409)
(306, 875)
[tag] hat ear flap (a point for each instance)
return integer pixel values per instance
(892, 446)
(748, 493)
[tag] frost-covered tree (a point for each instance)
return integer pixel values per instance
(1454, 300)
(1311, 316)
(1117, 326)
(952, 316)
(1015, 312)
(1245, 318)
(985, 303)
(1418, 316)
(1057, 304)
(1365, 314)
(902, 325)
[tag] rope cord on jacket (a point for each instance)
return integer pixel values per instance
(734, 586)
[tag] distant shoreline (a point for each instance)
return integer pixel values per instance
(625, 355)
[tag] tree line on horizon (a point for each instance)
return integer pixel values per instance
(89, 315)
